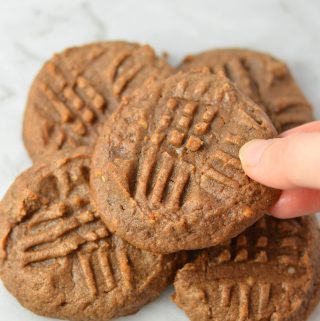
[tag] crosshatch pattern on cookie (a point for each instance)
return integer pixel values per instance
(172, 154)
(259, 275)
(187, 126)
(261, 77)
(65, 230)
(77, 90)
(61, 237)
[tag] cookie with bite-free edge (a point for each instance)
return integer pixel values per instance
(263, 78)
(166, 175)
(76, 91)
(58, 258)
(269, 272)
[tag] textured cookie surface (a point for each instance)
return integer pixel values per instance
(79, 88)
(58, 258)
(263, 78)
(269, 272)
(166, 175)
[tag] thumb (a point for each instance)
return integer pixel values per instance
(284, 163)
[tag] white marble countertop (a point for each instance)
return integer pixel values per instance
(32, 30)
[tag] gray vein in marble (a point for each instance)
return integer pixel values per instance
(301, 23)
(284, 7)
(55, 18)
(43, 32)
(36, 12)
(101, 29)
(27, 53)
(287, 10)
(52, 20)
(5, 93)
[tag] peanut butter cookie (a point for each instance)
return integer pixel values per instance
(166, 175)
(57, 257)
(263, 78)
(78, 89)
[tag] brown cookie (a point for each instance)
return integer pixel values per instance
(57, 257)
(269, 272)
(166, 175)
(263, 78)
(79, 88)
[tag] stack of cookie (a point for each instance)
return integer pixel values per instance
(136, 166)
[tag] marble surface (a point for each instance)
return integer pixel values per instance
(31, 30)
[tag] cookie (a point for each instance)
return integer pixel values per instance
(78, 89)
(263, 78)
(166, 174)
(269, 272)
(57, 257)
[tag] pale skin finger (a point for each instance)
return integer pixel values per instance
(311, 127)
(296, 202)
(289, 162)
(300, 201)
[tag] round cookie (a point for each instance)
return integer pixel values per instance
(57, 257)
(269, 272)
(263, 78)
(166, 175)
(78, 89)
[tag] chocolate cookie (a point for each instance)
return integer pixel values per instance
(57, 257)
(269, 272)
(166, 175)
(263, 78)
(79, 88)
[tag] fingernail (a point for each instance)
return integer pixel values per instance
(251, 152)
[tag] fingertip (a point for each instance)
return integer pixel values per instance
(251, 152)
(295, 203)
(284, 210)
(279, 212)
